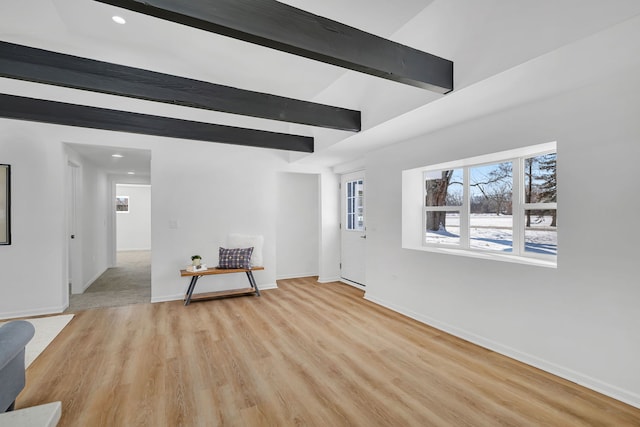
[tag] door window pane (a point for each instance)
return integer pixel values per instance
(355, 205)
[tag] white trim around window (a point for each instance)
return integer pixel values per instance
(524, 249)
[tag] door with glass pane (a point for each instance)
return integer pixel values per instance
(353, 230)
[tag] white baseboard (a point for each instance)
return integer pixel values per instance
(295, 276)
(610, 390)
(33, 312)
(166, 298)
(328, 279)
(354, 284)
(133, 249)
(88, 283)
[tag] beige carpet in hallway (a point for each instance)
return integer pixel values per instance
(127, 283)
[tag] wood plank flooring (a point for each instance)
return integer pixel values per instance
(304, 354)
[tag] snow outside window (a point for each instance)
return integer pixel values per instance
(443, 202)
(540, 205)
(506, 206)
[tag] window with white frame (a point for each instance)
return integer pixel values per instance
(355, 205)
(444, 201)
(540, 206)
(503, 204)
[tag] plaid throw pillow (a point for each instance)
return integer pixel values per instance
(234, 258)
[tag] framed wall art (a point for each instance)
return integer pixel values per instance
(5, 204)
(122, 204)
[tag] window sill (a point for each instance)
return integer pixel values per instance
(537, 262)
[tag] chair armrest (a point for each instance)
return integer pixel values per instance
(14, 336)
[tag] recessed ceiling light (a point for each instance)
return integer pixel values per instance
(118, 19)
(117, 156)
(131, 173)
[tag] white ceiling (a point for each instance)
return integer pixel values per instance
(505, 52)
(132, 162)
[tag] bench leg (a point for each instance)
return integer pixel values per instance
(192, 286)
(253, 283)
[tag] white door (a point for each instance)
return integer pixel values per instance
(353, 230)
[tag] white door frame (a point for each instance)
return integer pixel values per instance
(74, 219)
(112, 245)
(352, 242)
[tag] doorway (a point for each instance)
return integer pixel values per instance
(93, 172)
(353, 229)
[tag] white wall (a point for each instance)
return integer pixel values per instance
(134, 227)
(208, 191)
(298, 225)
(32, 268)
(201, 193)
(581, 320)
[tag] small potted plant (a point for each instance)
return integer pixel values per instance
(195, 260)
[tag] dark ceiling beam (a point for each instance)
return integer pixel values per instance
(42, 66)
(38, 110)
(279, 26)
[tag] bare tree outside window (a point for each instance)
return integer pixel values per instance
(442, 190)
(540, 184)
(491, 207)
(443, 200)
(496, 203)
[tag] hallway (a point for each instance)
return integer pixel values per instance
(127, 283)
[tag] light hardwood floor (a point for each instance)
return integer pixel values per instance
(303, 354)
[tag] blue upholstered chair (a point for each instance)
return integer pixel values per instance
(14, 336)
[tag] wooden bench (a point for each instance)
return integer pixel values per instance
(195, 275)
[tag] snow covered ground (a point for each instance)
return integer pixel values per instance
(492, 232)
